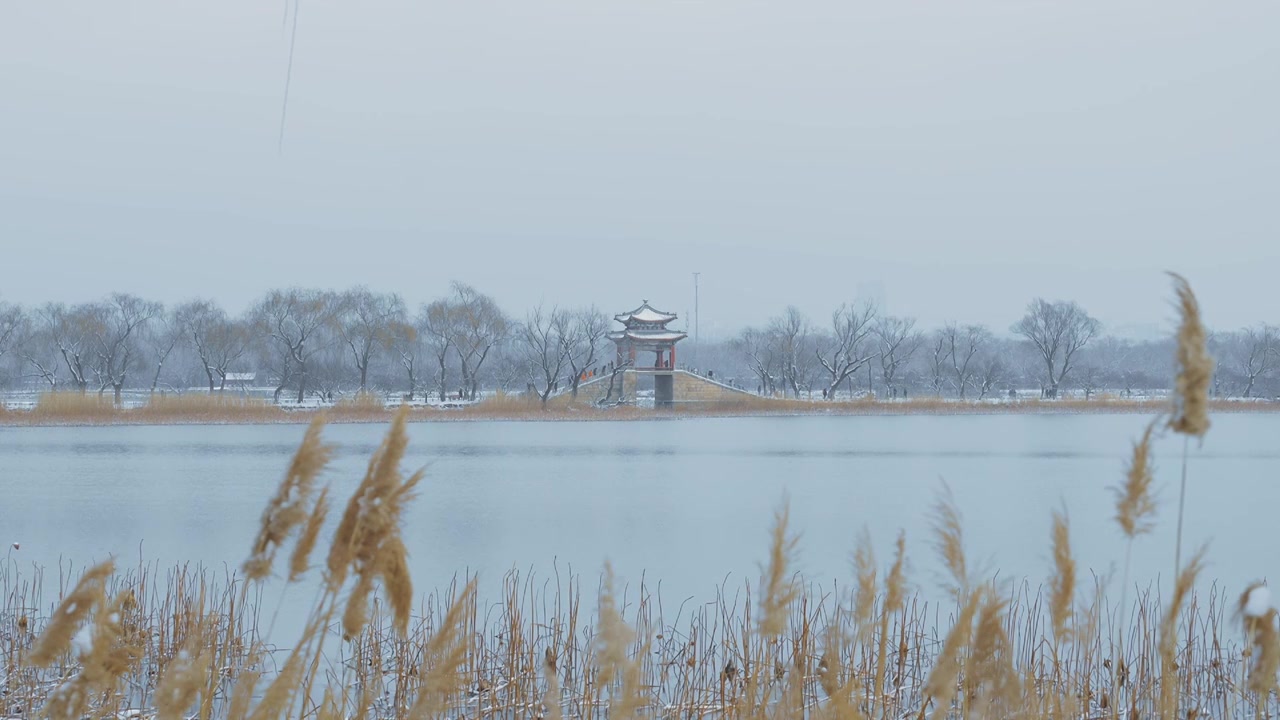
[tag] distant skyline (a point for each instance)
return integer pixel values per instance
(956, 160)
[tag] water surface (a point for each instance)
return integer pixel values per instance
(685, 501)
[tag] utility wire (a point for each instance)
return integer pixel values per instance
(288, 75)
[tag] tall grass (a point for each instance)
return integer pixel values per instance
(200, 408)
(361, 407)
(535, 650)
(73, 407)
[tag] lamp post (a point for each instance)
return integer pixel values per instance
(695, 319)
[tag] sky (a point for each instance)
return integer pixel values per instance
(951, 160)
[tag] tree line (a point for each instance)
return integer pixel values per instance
(302, 342)
(325, 344)
(791, 355)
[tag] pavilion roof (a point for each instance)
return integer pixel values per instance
(646, 313)
(657, 336)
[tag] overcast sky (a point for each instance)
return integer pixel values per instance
(951, 159)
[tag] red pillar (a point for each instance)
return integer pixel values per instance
(673, 356)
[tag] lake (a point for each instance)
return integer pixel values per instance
(687, 502)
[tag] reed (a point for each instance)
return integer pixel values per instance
(463, 649)
(210, 408)
(1192, 376)
(200, 408)
(289, 509)
(72, 407)
(1261, 637)
(361, 407)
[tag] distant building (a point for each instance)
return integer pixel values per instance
(644, 331)
(240, 380)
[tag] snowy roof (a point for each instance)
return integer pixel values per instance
(241, 377)
(645, 314)
(643, 336)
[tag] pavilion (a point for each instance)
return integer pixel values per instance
(644, 330)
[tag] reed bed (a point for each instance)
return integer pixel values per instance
(188, 643)
(361, 407)
(199, 408)
(73, 406)
(157, 613)
(845, 648)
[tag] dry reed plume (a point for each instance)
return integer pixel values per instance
(777, 590)
(1135, 504)
(993, 687)
(71, 614)
(1261, 638)
(1194, 366)
(943, 681)
(948, 542)
(1062, 585)
(290, 507)
(612, 644)
(367, 542)
(1194, 372)
(299, 559)
(184, 678)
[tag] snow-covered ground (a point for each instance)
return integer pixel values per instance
(26, 400)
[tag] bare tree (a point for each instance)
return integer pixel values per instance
(406, 343)
(479, 326)
(1089, 378)
(274, 359)
(13, 321)
(507, 369)
(70, 332)
(1057, 330)
(793, 337)
(544, 341)
(897, 340)
(35, 347)
(124, 318)
(615, 372)
(14, 328)
(939, 354)
(991, 371)
(328, 373)
(760, 348)
(963, 344)
(294, 321)
(218, 341)
(1252, 354)
(1114, 360)
(438, 325)
(587, 331)
(162, 335)
(364, 320)
(846, 348)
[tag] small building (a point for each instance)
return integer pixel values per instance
(240, 380)
(644, 330)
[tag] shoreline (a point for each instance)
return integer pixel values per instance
(141, 417)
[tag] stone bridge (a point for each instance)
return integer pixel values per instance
(671, 388)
